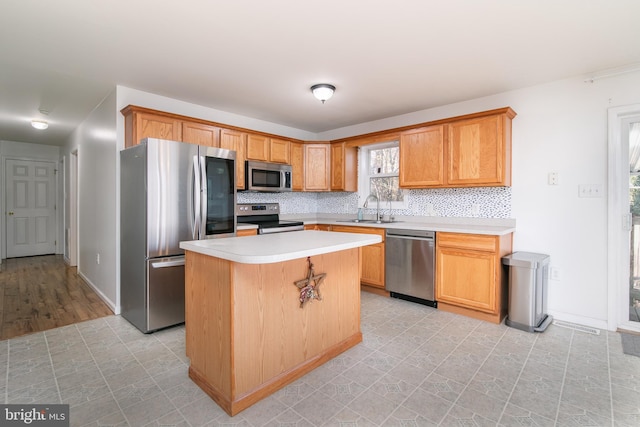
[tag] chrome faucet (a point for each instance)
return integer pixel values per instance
(366, 203)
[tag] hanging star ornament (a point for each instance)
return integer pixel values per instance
(309, 286)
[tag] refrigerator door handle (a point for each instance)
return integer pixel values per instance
(166, 264)
(204, 198)
(195, 200)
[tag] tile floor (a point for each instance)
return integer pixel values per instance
(416, 367)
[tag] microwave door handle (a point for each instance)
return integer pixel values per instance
(204, 199)
(283, 179)
(194, 204)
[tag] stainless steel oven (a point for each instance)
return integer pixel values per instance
(267, 177)
(267, 217)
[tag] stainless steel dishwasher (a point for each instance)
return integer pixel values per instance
(410, 265)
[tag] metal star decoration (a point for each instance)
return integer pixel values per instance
(309, 286)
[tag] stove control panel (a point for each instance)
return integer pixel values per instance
(257, 209)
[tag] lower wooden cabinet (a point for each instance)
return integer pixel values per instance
(318, 227)
(249, 232)
(469, 274)
(372, 255)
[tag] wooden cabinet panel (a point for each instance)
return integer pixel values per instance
(267, 149)
(257, 147)
(140, 124)
(201, 134)
(373, 265)
(250, 232)
(373, 256)
(297, 166)
(234, 140)
(468, 241)
(422, 157)
(279, 150)
(479, 151)
(344, 168)
(316, 167)
(469, 276)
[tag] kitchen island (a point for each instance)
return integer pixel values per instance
(262, 311)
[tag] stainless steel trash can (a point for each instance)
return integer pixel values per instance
(528, 282)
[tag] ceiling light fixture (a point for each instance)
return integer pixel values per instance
(323, 91)
(39, 124)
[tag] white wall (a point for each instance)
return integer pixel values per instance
(95, 140)
(561, 127)
(29, 151)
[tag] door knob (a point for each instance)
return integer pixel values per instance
(10, 212)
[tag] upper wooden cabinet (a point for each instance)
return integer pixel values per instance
(297, 166)
(479, 151)
(201, 134)
(422, 157)
(279, 151)
(237, 141)
(257, 147)
(317, 167)
(344, 167)
(140, 123)
(266, 149)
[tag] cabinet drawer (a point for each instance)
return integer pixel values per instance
(476, 242)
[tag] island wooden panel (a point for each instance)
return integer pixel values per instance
(247, 335)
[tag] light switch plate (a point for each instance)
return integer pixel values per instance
(590, 190)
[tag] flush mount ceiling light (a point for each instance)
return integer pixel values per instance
(39, 124)
(323, 91)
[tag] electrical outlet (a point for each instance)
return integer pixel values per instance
(554, 273)
(552, 178)
(98, 258)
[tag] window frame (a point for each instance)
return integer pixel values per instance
(364, 176)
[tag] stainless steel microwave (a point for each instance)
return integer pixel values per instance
(270, 177)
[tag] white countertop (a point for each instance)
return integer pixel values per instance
(278, 247)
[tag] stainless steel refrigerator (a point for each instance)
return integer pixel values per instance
(169, 192)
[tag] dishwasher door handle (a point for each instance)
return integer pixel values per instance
(424, 239)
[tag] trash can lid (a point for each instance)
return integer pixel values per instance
(526, 259)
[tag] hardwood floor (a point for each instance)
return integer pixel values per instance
(42, 292)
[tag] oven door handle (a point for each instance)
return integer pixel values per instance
(280, 229)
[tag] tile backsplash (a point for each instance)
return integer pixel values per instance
(477, 202)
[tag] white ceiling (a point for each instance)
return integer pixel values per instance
(259, 58)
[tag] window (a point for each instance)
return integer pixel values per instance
(379, 166)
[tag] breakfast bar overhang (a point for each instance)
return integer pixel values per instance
(262, 311)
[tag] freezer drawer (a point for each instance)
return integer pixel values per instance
(165, 292)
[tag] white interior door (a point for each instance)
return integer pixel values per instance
(30, 208)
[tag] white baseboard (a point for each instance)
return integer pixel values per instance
(102, 296)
